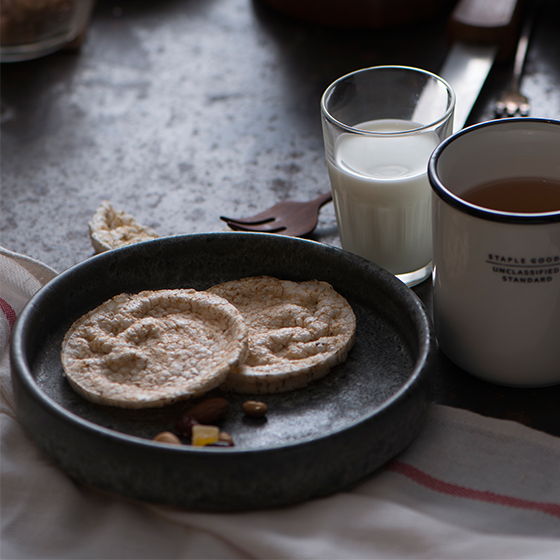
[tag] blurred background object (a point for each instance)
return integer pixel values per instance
(361, 13)
(34, 28)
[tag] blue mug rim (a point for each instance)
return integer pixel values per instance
(479, 211)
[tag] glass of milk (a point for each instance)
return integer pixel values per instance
(380, 126)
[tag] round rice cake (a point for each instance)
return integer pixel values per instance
(297, 332)
(153, 348)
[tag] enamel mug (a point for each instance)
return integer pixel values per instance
(497, 260)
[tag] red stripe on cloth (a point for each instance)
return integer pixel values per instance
(456, 490)
(8, 312)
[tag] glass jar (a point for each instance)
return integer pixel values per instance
(33, 28)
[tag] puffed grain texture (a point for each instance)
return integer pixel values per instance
(297, 332)
(110, 228)
(153, 348)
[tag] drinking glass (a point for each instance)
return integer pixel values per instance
(33, 28)
(380, 126)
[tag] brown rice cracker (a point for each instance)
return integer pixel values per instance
(297, 332)
(153, 348)
(110, 228)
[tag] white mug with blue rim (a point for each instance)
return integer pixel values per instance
(496, 234)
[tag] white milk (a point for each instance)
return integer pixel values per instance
(382, 195)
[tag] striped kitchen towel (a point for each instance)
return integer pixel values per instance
(469, 487)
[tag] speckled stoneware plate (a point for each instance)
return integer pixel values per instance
(315, 441)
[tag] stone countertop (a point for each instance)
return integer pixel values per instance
(182, 110)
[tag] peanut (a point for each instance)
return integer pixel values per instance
(255, 409)
(167, 437)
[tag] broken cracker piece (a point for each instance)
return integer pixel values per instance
(110, 228)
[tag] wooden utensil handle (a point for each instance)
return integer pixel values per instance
(488, 22)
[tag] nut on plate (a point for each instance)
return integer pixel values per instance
(255, 409)
(226, 439)
(209, 411)
(167, 437)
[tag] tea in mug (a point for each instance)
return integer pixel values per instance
(525, 195)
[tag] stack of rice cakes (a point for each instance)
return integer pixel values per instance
(253, 335)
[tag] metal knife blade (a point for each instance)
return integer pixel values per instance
(466, 69)
(481, 31)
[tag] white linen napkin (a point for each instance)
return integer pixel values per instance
(470, 487)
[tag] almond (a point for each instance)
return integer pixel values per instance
(209, 411)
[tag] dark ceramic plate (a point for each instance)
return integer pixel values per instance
(315, 441)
